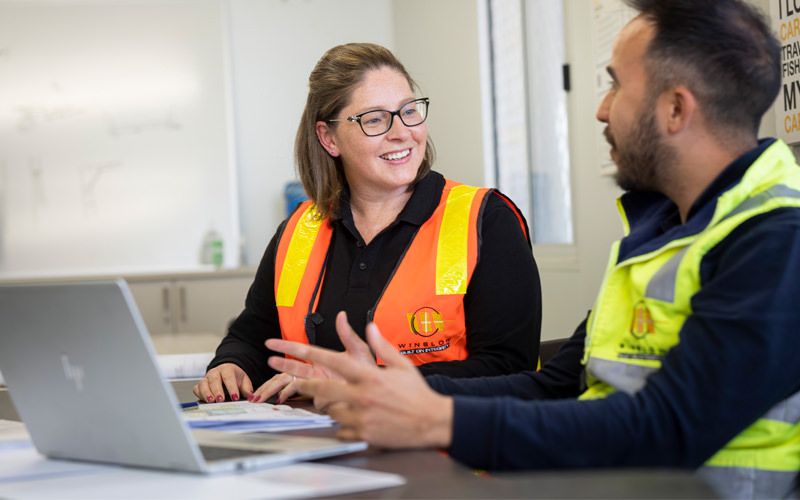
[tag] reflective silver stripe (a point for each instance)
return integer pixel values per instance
(623, 377)
(662, 284)
(777, 191)
(787, 410)
(740, 482)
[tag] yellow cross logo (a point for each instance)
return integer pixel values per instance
(425, 321)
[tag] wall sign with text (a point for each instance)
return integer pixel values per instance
(785, 16)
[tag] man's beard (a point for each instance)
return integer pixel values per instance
(643, 160)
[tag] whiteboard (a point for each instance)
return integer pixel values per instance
(116, 151)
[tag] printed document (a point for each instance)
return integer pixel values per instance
(243, 416)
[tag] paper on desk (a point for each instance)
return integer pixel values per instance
(181, 366)
(260, 426)
(243, 416)
(177, 366)
(246, 411)
(26, 464)
(26, 474)
(13, 435)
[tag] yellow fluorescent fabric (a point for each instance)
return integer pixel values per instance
(781, 438)
(297, 255)
(621, 351)
(451, 252)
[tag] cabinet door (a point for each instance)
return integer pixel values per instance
(155, 300)
(209, 305)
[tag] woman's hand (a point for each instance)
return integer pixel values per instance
(391, 407)
(229, 375)
(355, 349)
(284, 385)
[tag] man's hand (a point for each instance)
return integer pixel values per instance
(391, 407)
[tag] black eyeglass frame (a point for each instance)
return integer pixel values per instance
(392, 114)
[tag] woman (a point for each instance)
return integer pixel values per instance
(445, 270)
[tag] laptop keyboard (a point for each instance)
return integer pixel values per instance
(212, 453)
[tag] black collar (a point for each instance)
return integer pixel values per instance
(418, 209)
(424, 199)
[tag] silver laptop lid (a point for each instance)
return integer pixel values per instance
(81, 371)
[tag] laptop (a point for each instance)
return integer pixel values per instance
(81, 370)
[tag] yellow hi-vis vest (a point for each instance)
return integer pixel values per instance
(644, 301)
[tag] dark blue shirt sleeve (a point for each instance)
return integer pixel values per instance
(736, 359)
(559, 378)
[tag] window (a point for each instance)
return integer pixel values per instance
(524, 80)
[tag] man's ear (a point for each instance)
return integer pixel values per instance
(680, 108)
(326, 138)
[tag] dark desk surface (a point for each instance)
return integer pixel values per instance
(432, 474)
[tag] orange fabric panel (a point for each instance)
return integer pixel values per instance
(423, 325)
(292, 319)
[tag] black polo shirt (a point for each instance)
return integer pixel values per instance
(502, 304)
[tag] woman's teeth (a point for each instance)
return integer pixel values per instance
(396, 156)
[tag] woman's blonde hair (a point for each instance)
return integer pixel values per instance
(330, 86)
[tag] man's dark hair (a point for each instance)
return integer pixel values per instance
(722, 50)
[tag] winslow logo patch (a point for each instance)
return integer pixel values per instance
(425, 321)
(642, 323)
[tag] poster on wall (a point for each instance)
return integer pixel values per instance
(608, 18)
(785, 15)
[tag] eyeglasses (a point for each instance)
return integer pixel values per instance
(379, 121)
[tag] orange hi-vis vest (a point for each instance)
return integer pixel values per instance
(421, 309)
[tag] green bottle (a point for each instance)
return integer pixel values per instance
(213, 247)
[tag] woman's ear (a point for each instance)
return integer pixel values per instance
(326, 138)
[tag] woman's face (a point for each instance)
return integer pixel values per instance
(384, 164)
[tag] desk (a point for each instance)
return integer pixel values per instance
(431, 474)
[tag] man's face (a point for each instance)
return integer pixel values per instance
(628, 109)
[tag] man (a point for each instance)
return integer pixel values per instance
(691, 355)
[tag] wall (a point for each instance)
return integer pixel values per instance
(768, 123)
(441, 50)
(438, 43)
(568, 293)
(274, 46)
(569, 288)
